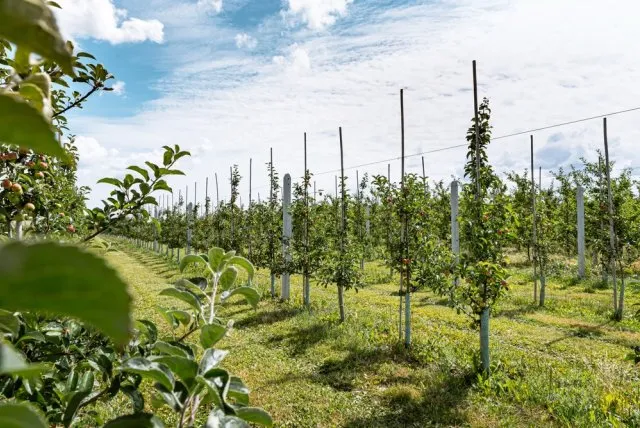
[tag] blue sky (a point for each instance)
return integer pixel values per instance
(228, 79)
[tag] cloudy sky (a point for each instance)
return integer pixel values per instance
(228, 79)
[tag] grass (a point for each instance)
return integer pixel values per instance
(562, 365)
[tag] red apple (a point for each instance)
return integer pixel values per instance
(71, 229)
(40, 174)
(6, 183)
(16, 188)
(29, 206)
(44, 165)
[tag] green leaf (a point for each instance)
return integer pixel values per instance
(9, 323)
(218, 419)
(30, 24)
(185, 368)
(13, 363)
(214, 391)
(243, 263)
(137, 400)
(185, 296)
(143, 172)
(167, 348)
(85, 55)
(165, 171)
(185, 283)
(191, 259)
(238, 391)
(210, 360)
(86, 386)
(33, 94)
(210, 334)
(216, 255)
(161, 185)
(32, 335)
(42, 81)
(255, 415)
(167, 158)
(65, 280)
(140, 420)
(168, 317)
(113, 181)
(24, 126)
(20, 415)
(147, 328)
(249, 293)
(145, 368)
(182, 317)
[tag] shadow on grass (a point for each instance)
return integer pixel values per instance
(301, 339)
(517, 312)
(582, 330)
(403, 404)
(267, 318)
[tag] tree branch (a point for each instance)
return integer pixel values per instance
(78, 101)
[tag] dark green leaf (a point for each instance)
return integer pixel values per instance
(187, 284)
(238, 391)
(109, 180)
(145, 368)
(210, 334)
(141, 420)
(13, 363)
(243, 263)
(24, 126)
(166, 348)
(228, 277)
(137, 400)
(20, 415)
(143, 172)
(9, 323)
(30, 276)
(185, 368)
(249, 293)
(185, 296)
(191, 259)
(255, 415)
(85, 388)
(161, 185)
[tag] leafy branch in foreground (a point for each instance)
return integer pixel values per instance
(132, 194)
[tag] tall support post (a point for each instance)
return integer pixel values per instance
(405, 239)
(195, 200)
(424, 175)
(343, 225)
(206, 197)
(271, 237)
(455, 231)
(286, 234)
(543, 280)
(231, 207)
(534, 238)
(485, 315)
(581, 243)
(389, 230)
(314, 192)
(156, 248)
(360, 225)
(618, 306)
(306, 289)
(217, 192)
(249, 208)
(187, 210)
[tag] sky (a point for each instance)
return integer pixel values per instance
(230, 79)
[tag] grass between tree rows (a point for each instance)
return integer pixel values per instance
(563, 365)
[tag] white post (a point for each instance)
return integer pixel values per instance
(286, 234)
(580, 204)
(19, 230)
(189, 211)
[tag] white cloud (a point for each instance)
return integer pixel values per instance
(212, 5)
(297, 59)
(317, 14)
(246, 104)
(243, 40)
(118, 87)
(101, 20)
